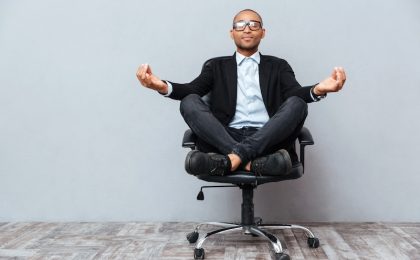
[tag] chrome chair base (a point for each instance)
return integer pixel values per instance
(257, 229)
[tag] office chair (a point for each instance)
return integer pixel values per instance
(247, 182)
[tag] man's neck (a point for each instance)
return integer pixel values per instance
(246, 53)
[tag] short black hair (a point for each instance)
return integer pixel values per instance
(248, 10)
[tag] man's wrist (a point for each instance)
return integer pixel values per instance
(317, 92)
(163, 88)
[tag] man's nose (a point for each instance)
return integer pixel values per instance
(247, 29)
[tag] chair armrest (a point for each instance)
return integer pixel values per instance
(189, 139)
(305, 137)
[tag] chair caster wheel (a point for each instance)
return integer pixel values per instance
(313, 242)
(198, 253)
(282, 256)
(192, 237)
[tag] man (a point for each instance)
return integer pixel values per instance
(256, 108)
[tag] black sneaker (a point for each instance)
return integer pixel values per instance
(198, 163)
(275, 164)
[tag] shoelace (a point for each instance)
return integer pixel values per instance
(258, 167)
(219, 165)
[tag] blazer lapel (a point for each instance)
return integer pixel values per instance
(264, 71)
(232, 80)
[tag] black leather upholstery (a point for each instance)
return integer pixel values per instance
(243, 177)
(189, 139)
(305, 137)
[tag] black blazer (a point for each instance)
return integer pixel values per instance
(219, 77)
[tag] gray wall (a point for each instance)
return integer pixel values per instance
(81, 140)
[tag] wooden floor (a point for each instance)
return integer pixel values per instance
(141, 240)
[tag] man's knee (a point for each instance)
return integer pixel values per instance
(297, 104)
(188, 103)
(294, 106)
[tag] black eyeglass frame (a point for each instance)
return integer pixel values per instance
(247, 23)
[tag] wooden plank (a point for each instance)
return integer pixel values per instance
(16, 253)
(291, 241)
(412, 252)
(166, 241)
(333, 244)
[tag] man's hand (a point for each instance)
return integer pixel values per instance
(334, 83)
(147, 79)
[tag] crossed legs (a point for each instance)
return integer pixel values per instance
(244, 145)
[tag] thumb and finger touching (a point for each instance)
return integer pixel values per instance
(148, 69)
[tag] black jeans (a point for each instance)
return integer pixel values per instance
(280, 132)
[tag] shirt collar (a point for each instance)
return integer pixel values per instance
(240, 58)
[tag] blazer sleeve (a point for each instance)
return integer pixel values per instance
(291, 87)
(200, 85)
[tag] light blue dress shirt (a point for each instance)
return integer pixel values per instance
(250, 108)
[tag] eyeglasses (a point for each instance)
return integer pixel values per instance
(241, 25)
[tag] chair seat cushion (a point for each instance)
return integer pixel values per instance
(243, 177)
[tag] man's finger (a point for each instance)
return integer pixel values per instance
(141, 75)
(334, 74)
(339, 76)
(148, 69)
(145, 82)
(139, 70)
(144, 71)
(344, 74)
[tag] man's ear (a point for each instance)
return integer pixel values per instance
(231, 33)
(263, 34)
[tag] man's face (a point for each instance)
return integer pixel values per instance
(247, 40)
